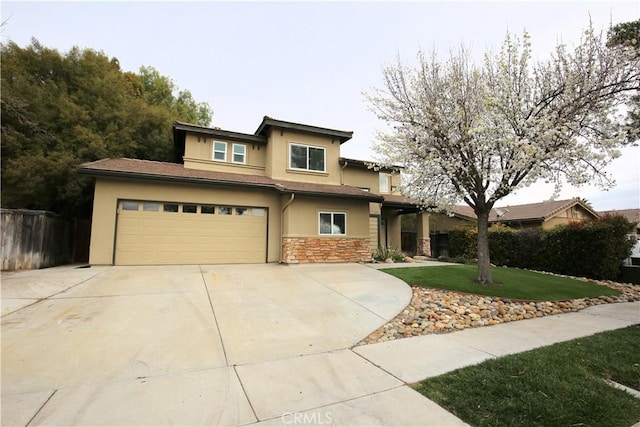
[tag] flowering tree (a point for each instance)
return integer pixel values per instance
(476, 133)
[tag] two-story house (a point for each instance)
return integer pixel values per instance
(281, 194)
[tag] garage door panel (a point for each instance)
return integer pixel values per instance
(190, 238)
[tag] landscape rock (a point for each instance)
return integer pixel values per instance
(439, 311)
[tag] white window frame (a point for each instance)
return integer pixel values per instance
(387, 182)
(214, 151)
(307, 169)
(244, 153)
(332, 222)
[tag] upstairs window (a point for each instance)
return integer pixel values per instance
(305, 157)
(239, 153)
(334, 223)
(220, 151)
(385, 182)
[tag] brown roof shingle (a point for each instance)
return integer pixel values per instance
(147, 169)
(632, 215)
(529, 212)
(534, 211)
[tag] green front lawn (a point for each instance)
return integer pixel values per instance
(558, 385)
(509, 283)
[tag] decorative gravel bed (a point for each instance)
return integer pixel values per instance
(435, 311)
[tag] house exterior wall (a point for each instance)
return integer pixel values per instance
(302, 216)
(361, 178)
(109, 191)
(357, 176)
(303, 243)
(572, 214)
(277, 157)
(199, 155)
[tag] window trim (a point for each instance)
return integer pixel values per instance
(244, 153)
(332, 213)
(214, 151)
(324, 158)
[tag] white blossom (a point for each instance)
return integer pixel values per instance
(476, 133)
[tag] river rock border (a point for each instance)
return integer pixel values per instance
(437, 311)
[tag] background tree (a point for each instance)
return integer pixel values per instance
(628, 34)
(61, 110)
(476, 133)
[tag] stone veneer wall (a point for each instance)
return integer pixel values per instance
(301, 250)
(423, 247)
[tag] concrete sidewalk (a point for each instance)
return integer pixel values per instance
(414, 359)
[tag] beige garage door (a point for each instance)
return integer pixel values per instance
(188, 233)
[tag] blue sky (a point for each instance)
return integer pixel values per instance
(310, 62)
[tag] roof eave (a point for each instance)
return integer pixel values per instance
(333, 195)
(368, 165)
(102, 173)
(220, 133)
(97, 173)
(342, 136)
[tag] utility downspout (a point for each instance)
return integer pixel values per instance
(342, 172)
(284, 208)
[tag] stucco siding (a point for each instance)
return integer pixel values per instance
(302, 217)
(199, 155)
(277, 157)
(361, 178)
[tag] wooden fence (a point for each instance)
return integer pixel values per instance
(35, 239)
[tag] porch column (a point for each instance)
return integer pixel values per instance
(394, 236)
(423, 243)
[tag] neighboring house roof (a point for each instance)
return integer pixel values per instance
(173, 172)
(267, 122)
(632, 215)
(466, 212)
(529, 212)
(535, 211)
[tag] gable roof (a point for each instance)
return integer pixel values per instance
(269, 122)
(632, 215)
(540, 211)
(535, 211)
(173, 172)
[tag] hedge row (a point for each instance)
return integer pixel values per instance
(595, 249)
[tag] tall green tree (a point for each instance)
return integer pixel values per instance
(628, 34)
(61, 110)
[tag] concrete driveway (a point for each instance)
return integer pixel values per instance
(201, 345)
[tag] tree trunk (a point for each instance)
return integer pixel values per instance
(484, 263)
